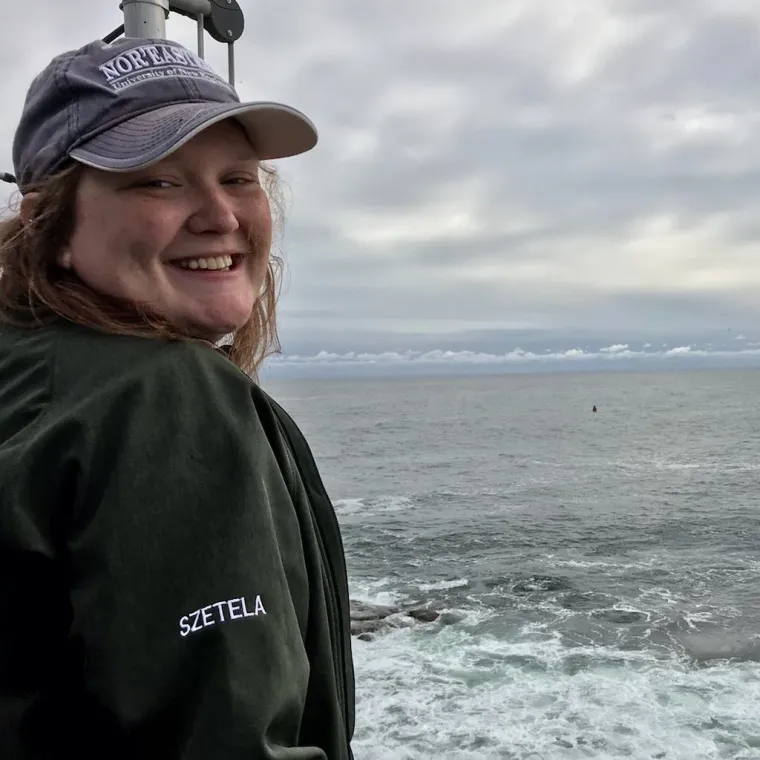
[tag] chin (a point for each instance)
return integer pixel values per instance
(213, 333)
(213, 325)
(217, 329)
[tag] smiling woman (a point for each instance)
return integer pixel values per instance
(126, 229)
(172, 575)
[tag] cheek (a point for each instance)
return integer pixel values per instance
(259, 272)
(257, 220)
(129, 234)
(261, 240)
(106, 250)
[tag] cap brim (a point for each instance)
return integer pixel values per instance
(275, 131)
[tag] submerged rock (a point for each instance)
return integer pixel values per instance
(369, 619)
(364, 611)
(423, 615)
(366, 626)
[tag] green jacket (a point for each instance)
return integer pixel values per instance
(172, 578)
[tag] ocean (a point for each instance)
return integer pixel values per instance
(598, 573)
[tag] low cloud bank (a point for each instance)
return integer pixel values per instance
(517, 356)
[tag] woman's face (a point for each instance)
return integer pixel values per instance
(188, 239)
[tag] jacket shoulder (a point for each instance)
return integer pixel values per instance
(60, 361)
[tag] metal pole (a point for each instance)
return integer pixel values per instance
(231, 62)
(201, 32)
(145, 18)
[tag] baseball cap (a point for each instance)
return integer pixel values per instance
(127, 104)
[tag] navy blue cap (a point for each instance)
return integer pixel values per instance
(127, 104)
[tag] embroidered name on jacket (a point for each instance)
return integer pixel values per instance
(220, 612)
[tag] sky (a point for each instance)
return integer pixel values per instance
(498, 185)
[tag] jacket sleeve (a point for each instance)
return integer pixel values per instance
(184, 566)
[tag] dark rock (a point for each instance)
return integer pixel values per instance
(364, 611)
(368, 619)
(365, 626)
(423, 615)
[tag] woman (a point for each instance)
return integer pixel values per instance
(172, 580)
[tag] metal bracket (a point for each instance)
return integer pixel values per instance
(223, 20)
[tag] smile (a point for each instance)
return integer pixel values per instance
(223, 263)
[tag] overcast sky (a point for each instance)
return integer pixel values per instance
(541, 175)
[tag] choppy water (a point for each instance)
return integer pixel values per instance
(600, 572)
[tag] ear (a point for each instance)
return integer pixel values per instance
(29, 207)
(64, 259)
(27, 212)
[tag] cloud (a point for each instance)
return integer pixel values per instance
(537, 163)
(518, 356)
(622, 165)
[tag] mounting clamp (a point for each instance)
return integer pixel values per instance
(223, 20)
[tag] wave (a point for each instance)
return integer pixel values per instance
(475, 690)
(444, 585)
(371, 505)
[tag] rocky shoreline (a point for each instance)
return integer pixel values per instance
(367, 620)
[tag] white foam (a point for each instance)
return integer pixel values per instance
(375, 592)
(444, 585)
(644, 564)
(392, 503)
(345, 507)
(457, 692)
(371, 506)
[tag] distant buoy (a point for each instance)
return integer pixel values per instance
(594, 409)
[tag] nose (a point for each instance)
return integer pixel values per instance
(215, 211)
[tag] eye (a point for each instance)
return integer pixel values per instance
(157, 184)
(246, 179)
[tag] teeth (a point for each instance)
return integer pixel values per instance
(209, 262)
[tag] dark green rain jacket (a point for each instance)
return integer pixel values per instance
(172, 578)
